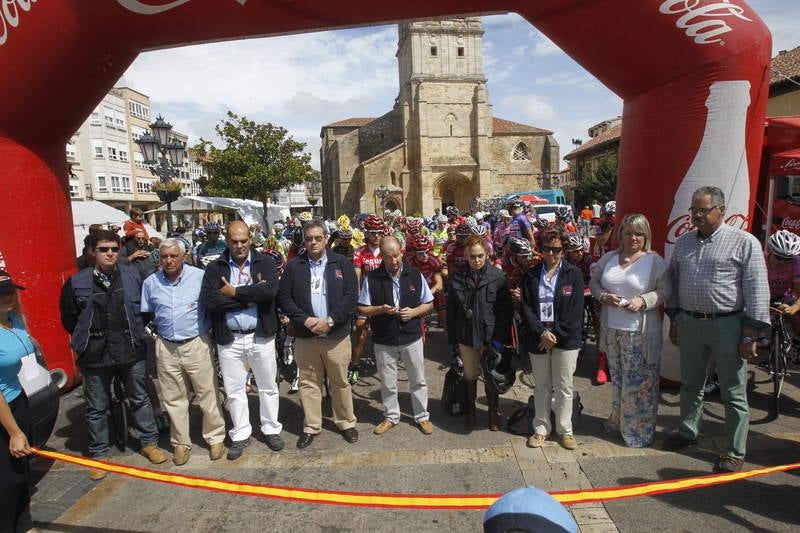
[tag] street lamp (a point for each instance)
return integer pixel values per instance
(164, 158)
(313, 189)
(382, 191)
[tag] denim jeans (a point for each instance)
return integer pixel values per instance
(97, 382)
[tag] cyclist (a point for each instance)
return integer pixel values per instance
(365, 260)
(602, 243)
(344, 244)
(440, 236)
(423, 260)
(517, 259)
(783, 273)
(520, 225)
(212, 248)
(501, 229)
(564, 219)
(454, 252)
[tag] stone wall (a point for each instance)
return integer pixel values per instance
(378, 172)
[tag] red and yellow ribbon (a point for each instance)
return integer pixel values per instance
(406, 501)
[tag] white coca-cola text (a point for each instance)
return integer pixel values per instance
(791, 164)
(792, 224)
(151, 8)
(683, 224)
(695, 17)
(9, 16)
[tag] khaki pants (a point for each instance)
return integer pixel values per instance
(471, 357)
(553, 374)
(315, 358)
(192, 360)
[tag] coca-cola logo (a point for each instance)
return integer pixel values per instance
(792, 164)
(792, 224)
(696, 17)
(683, 224)
(154, 8)
(9, 15)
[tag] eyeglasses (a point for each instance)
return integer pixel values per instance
(314, 238)
(373, 232)
(552, 249)
(703, 211)
(106, 249)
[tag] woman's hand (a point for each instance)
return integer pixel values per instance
(611, 299)
(516, 295)
(18, 445)
(635, 305)
(547, 340)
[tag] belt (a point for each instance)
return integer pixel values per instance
(548, 324)
(243, 331)
(183, 341)
(709, 316)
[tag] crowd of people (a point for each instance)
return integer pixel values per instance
(245, 304)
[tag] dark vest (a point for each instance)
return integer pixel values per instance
(389, 329)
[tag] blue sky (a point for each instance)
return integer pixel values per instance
(304, 81)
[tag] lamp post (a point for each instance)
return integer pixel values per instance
(382, 191)
(164, 157)
(313, 189)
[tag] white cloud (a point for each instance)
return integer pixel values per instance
(544, 46)
(533, 107)
(564, 79)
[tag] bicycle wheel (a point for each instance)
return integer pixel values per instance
(777, 367)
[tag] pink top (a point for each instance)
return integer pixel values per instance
(782, 276)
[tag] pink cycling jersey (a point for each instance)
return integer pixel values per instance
(781, 277)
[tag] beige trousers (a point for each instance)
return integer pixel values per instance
(471, 357)
(317, 357)
(191, 361)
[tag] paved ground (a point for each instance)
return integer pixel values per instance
(449, 461)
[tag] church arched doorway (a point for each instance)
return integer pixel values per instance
(453, 189)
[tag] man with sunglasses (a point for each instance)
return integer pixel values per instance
(718, 305)
(100, 309)
(239, 292)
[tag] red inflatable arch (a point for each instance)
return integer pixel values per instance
(693, 75)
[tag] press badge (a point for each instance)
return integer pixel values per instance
(546, 311)
(316, 285)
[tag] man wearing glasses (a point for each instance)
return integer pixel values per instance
(100, 309)
(238, 291)
(718, 305)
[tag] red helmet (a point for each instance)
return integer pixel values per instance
(414, 226)
(373, 223)
(277, 257)
(463, 230)
(421, 243)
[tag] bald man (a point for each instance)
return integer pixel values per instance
(395, 297)
(239, 292)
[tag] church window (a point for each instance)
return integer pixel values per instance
(394, 178)
(460, 51)
(451, 130)
(434, 51)
(521, 153)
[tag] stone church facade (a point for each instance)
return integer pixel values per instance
(440, 144)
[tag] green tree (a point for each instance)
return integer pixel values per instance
(601, 184)
(256, 160)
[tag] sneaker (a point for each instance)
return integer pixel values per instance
(181, 455)
(676, 442)
(726, 463)
(568, 441)
(97, 475)
(536, 440)
(383, 427)
(352, 375)
(710, 388)
(215, 451)
(154, 454)
(237, 448)
(275, 442)
(426, 427)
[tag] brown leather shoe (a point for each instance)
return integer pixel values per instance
(383, 427)
(154, 454)
(568, 441)
(97, 475)
(426, 427)
(216, 451)
(536, 440)
(727, 463)
(181, 455)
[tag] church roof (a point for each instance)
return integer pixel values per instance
(501, 126)
(785, 65)
(611, 134)
(350, 122)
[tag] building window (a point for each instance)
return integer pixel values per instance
(102, 186)
(97, 145)
(112, 153)
(434, 51)
(95, 117)
(126, 184)
(521, 153)
(74, 190)
(394, 178)
(460, 51)
(143, 186)
(123, 153)
(109, 116)
(139, 110)
(70, 152)
(119, 120)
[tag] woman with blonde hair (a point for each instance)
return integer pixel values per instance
(631, 283)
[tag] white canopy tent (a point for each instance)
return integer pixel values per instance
(84, 214)
(250, 211)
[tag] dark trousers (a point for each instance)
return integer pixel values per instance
(15, 495)
(97, 382)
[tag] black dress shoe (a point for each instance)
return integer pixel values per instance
(275, 442)
(237, 448)
(350, 435)
(305, 440)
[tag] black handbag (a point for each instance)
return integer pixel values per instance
(454, 394)
(521, 421)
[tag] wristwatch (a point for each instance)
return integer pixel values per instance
(330, 322)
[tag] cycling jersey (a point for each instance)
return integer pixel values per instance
(782, 277)
(456, 259)
(439, 240)
(520, 226)
(499, 231)
(366, 260)
(428, 268)
(513, 272)
(209, 252)
(584, 265)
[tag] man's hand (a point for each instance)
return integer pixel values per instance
(407, 313)
(387, 309)
(227, 289)
(673, 332)
(516, 296)
(547, 340)
(321, 327)
(311, 322)
(138, 254)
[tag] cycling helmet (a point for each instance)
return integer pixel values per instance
(784, 244)
(452, 211)
(278, 226)
(519, 246)
(373, 223)
(277, 257)
(576, 243)
(414, 226)
(479, 229)
(463, 230)
(212, 226)
(479, 215)
(345, 234)
(297, 236)
(397, 213)
(471, 222)
(610, 208)
(514, 204)
(498, 368)
(562, 212)
(343, 221)
(504, 213)
(441, 219)
(421, 243)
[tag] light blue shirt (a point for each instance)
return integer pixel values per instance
(319, 287)
(179, 314)
(425, 297)
(14, 345)
(547, 292)
(247, 318)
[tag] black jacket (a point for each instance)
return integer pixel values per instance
(489, 301)
(262, 293)
(295, 294)
(567, 308)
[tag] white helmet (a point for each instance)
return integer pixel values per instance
(784, 244)
(479, 215)
(610, 208)
(504, 213)
(441, 219)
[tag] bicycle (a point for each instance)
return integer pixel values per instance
(780, 347)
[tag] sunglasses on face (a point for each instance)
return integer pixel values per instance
(106, 249)
(314, 238)
(371, 232)
(552, 249)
